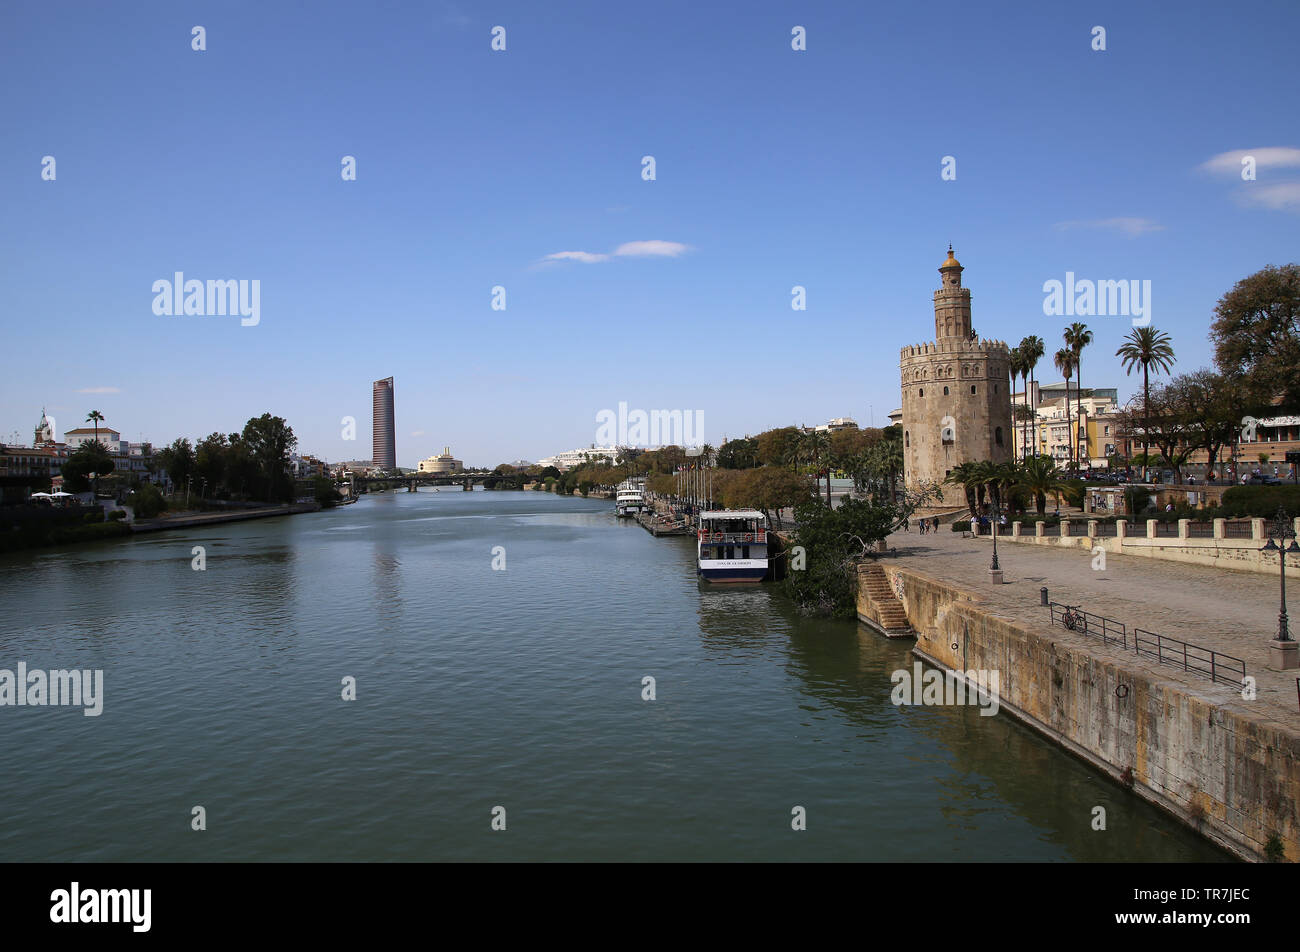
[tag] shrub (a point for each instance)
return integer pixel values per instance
(148, 502)
(95, 515)
(1072, 491)
(117, 515)
(1273, 849)
(1260, 501)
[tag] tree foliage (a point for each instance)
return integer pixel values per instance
(1256, 333)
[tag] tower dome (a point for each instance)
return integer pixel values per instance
(951, 262)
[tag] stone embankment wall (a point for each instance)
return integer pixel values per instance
(1230, 774)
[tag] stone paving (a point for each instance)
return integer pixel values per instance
(1227, 611)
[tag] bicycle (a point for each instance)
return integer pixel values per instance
(1072, 621)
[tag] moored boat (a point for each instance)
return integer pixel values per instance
(731, 545)
(630, 498)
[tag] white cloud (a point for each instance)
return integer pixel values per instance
(586, 257)
(629, 249)
(99, 390)
(640, 249)
(1272, 157)
(1132, 227)
(417, 433)
(1283, 195)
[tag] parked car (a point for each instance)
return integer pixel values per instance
(1262, 479)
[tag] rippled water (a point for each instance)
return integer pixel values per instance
(479, 688)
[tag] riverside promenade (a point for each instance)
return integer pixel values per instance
(1233, 612)
(190, 520)
(1224, 762)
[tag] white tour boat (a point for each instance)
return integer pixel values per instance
(732, 545)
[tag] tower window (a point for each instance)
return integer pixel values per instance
(972, 389)
(921, 392)
(945, 391)
(907, 438)
(995, 388)
(997, 436)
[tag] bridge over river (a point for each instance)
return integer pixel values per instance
(413, 481)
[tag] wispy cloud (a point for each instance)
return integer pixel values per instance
(1285, 195)
(641, 249)
(629, 249)
(417, 433)
(100, 390)
(586, 257)
(452, 15)
(1132, 227)
(1272, 157)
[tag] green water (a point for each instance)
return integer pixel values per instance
(478, 688)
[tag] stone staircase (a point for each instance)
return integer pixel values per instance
(877, 603)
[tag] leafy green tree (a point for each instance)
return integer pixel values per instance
(270, 440)
(1256, 333)
(177, 461)
(92, 457)
(210, 461)
(740, 453)
(779, 447)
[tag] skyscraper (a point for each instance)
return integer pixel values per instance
(383, 437)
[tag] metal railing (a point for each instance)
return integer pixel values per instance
(1237, 530)
(1074, 618)
(1189, 657)
(1106, 527)
(719, 538)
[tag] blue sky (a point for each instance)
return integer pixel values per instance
(774, 168)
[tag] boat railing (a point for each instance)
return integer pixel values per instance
(757, 535)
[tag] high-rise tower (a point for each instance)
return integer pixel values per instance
(956, 393)
(383, 435)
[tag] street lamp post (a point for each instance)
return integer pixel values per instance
(995, 571)
(1281, 539)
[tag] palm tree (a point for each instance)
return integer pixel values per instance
(1146, 347)
(1016, 367)
(1077, 337)
(95, 417)
(1038, 477)
(1065, 360)
(1033, 349)
(817, 444)
(966, 476)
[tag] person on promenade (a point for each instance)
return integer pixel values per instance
(936, 523)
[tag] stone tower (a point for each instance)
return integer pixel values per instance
(956, 397)
(44, 432)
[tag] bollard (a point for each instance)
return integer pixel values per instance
(1042, 595)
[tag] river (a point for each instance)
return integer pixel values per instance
(478, 688)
